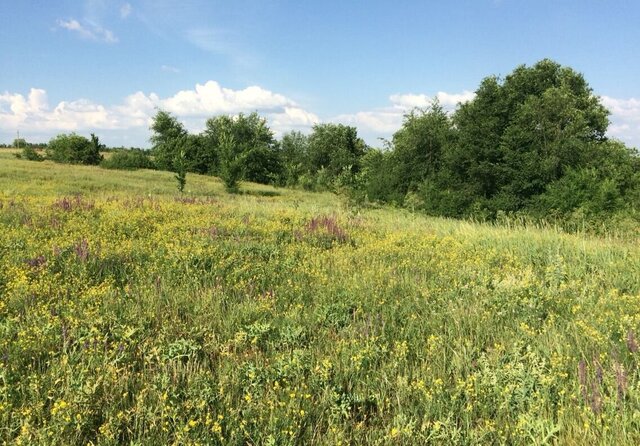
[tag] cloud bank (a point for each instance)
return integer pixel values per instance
(382, 122)
(33, 114)
(625, 119)
(128, 121)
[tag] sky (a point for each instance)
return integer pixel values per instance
(107, 66)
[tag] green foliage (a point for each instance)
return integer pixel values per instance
(30, 154)
(332, 148)
(254, 156)
(533, 143)
(294, 151)
(230, 162)
(168, 139)
(419, 146)
(610, 185)
(131, 159)
(518, 136)
(180, 165)
(75, 149)
(19, 143)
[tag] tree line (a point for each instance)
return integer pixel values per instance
(243, 148)
(532, 143)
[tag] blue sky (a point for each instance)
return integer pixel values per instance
(104, 66)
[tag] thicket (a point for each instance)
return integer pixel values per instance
(533, 143)
(75, 149)
(243, 148)
(128, 159)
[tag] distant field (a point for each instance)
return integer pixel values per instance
(130, 314)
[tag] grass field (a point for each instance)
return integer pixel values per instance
(132, 315)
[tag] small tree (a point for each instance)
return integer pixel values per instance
(180, 164)
(294, 148)
(168, 139)
(253, 153)
(93, 155)
(29, 153)
(19, 143)
(230, 162)
(331, 149)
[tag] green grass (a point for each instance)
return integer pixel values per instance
(131, 314)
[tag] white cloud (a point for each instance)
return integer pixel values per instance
(125, 10)
(384, 121)
(447, 100)
(89, 30)
(170, 69)
(292, 118)
(33, 114)
(128, 121)
(210, 98)
(625, 119)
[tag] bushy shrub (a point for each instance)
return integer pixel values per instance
(128, 160)
(75, 149)
(30, 154)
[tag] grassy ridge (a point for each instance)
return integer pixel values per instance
(129, 314)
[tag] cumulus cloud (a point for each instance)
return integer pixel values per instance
(88, 30)
(625, 119)
(210, 98)
(384, 121)
(447, 100)
(33, 113)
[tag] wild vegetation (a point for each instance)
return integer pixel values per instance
(234, 312)
(530, 146)
(133, 315)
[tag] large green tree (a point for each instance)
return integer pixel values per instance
(294, 153)
(418, 147)
(169, 138)
(335, 149)
(243, 143)
(519, 135)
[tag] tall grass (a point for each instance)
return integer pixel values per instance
(130, 315)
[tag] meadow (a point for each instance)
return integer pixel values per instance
(132, 314)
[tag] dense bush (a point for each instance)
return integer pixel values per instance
(75, 149)
(128, 160)
(30, 154)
